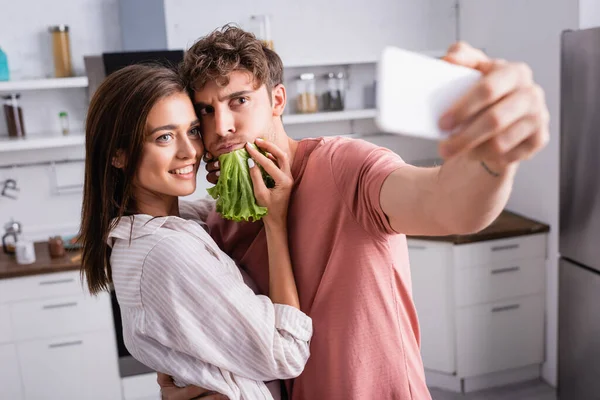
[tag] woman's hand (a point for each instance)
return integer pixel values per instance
(276, 164)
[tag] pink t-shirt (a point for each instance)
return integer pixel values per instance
(352, 273)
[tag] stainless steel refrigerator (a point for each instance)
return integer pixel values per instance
(579, 269)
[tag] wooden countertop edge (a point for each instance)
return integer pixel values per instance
(16, 273)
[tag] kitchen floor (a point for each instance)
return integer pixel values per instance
(533, 390)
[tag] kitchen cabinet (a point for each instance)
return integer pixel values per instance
(480, 306)
(56, 340)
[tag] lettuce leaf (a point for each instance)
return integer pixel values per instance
(234, 192)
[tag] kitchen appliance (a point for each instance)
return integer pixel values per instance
(12, 230)
(579, 269)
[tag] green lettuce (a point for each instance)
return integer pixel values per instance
(234, 192)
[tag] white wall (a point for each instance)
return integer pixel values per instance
(310, 31)
(529, 31)
(589, 13)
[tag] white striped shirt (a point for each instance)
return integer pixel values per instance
(187, 311)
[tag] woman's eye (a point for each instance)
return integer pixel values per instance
(164, 138)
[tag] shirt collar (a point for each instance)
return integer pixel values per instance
(135, 226)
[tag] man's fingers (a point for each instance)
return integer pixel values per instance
(461, 53)
(490, 122)
(497, 148)
(213, 177)
(213, 166)
(501, 81)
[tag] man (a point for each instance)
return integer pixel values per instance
(353, 204)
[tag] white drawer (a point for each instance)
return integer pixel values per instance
(71, 368)
(41, 286)
(500, 251)
(5, 325)
(10, 377)
(60, 316)
(483, 284)
(499, 336)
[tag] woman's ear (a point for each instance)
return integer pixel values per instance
(279, 99)
(118, 161)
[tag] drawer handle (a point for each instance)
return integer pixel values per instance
(57, 281)
(506, 247)
(65, 344)
(503, 270)
(62, 305)
(417, 247)
(506, 308)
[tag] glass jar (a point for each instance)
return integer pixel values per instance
(14, 115)
(61, 50)
(260, 26)
(334, 96)
(307, 94)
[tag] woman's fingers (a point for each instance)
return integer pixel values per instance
(282, 158)
(260, 189)
(278, 175)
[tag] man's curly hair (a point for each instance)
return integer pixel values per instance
(228, 49)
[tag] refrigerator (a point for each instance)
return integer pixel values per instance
(579, 241)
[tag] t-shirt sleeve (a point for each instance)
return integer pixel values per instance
(359, 169)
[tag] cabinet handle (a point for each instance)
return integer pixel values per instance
(57, 281)
(417, 247)
(503, 270)
(62, 305)
(506, 247)
(65, 344)
(506, 308)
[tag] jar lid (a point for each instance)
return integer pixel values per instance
(332, 75)
(307, 76)
(11, 96)
(62, 114)
(59, 28)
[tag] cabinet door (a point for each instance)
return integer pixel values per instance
(10, 379)
(71, 368)
(500, 336)
(431, 270)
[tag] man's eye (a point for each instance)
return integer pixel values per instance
(206, 110)
(240, 100)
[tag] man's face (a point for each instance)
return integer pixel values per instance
(234, 114)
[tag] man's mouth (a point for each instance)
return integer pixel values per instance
(228, 147)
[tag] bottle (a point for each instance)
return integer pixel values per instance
(61, 49)
(14, 115)
(4, 75)
(64, 122)
(334, 96)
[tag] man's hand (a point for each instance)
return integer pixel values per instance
(503, 119)
(169, 391)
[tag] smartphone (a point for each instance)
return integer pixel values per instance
(414, 90)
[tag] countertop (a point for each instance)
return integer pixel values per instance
(508, 224)
(43, 264)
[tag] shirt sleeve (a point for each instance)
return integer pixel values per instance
(195, 306)
(359, 169)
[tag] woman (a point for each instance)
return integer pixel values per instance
(185, 307)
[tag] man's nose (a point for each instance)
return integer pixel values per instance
(224, 123)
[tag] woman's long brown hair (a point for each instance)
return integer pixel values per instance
(115, 130)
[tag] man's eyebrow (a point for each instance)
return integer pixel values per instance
(200, 104)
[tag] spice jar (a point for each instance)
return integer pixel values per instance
(14, 115)
(56, 247)
(61, 49)
(307, 95)
(334, 96)
(64, 122)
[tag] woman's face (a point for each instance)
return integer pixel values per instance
(172, 152)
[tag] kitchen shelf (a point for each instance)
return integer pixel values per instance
(43, 84)
(331, 116)
(42, 141)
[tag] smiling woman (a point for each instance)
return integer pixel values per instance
(186, 309)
